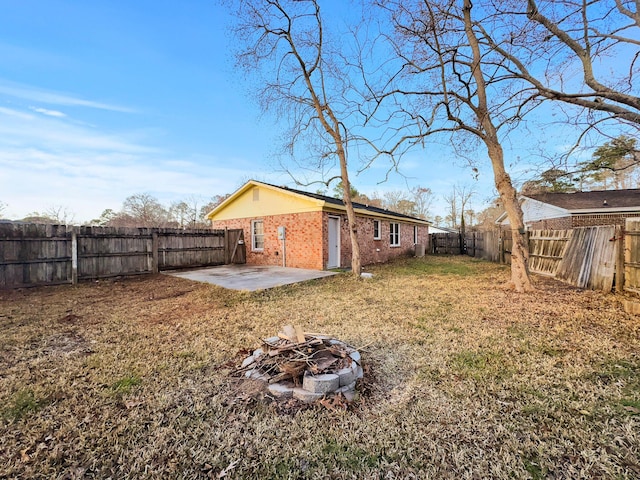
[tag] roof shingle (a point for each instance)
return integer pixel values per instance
(591, 200)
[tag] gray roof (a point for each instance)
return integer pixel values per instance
(361, 206)
(594, 200)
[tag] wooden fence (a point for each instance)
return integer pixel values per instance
(33, 254)
(588, 257)
(447, 243)
(632, 255)
(546, 249)
(485, 245)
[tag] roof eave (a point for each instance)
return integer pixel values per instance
(332, 206)
(582, 211)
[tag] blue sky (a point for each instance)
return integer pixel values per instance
(100, 100)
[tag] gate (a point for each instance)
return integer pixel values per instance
(236, 249)
(446, 243)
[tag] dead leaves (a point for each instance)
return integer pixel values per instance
(335, 403)
(132, 403)
(209, 470)
(223, 473)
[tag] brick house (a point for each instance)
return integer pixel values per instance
(283, 226)
(558, 211)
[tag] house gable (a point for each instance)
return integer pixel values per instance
(255, 199)
(534, 211)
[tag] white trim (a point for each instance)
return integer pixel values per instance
(379, 235)
(560, 212)
(605, 211)
(253, 236)
(337, 251)
(396, 234)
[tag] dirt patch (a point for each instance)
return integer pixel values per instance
(66, 344)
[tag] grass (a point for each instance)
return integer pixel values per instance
(20, 404)
(130, 379)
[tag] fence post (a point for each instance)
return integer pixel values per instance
(155, 267)
(74, 257)
(620, 259)
(227, 261)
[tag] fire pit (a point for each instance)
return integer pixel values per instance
(305, 366)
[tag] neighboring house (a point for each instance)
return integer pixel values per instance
(557, 211)
(283, 226)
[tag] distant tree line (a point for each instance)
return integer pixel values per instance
(615, 165)
(139, 210)
(416, 202)
(144, 210)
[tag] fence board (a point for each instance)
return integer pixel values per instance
(32, 254)
(585, 257)
(546, 249)
(194, 248)
(632, 255)
(448, 243)
(589, 261)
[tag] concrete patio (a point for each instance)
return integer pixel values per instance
(250, 277)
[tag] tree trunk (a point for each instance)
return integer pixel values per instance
(356, 265)
(520, 279)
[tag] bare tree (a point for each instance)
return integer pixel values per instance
(448, 72)
(464, 193)
(3, 207)
(451, 200)
(55, 214)
(210, 205)
(285, 41)
(396, 200)
(144, 210)
(547, 42)
(457, 202)
(486, 218)
(181, 214)
(423, 200)
(60, 214)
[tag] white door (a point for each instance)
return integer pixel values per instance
(334, 242)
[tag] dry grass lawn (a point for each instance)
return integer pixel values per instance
(130, 379)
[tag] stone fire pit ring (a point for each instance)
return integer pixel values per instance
(307, 367)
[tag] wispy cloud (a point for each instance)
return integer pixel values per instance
(50, 113)
(47, 160)
(34, 94)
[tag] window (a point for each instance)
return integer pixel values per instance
(394, 234)
(376, 229)
(257, 235)
(415, 234)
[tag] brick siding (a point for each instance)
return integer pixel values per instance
(562, 223)
(307, 240)
(574, 221)
(601, 219)
(378, 251)
(303, 245)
